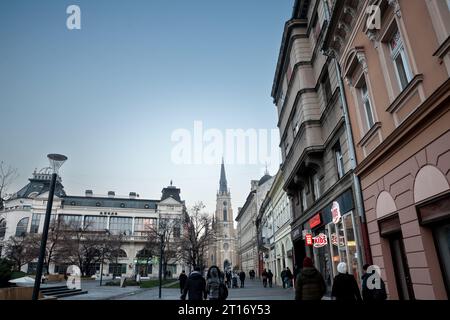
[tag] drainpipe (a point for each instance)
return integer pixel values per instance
(362, 230)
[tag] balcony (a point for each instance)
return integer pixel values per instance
(307, 150)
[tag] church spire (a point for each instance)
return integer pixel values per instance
(223, 180)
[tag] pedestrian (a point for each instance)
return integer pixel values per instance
(309, 284)
(214, 280)
(228, 276)
(345, 286)
(270, 277)
(195, 286)
(235, 280)
(373, 294)
(182, 278)
(264, 278)
(242, 278)
(289, 277)
(296, 271)
(283, 277)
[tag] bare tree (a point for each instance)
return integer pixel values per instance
(21, 250)
(7, 175)
(198, 236)
(85, 247)
(165, 237)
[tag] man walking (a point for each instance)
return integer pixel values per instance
(182, 278)
(283, 277)
(242, 278)
(195, 286)
(270, 277)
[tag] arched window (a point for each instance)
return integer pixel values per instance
(225, 214)
(22, 227)
(2, 229)
(120, 254)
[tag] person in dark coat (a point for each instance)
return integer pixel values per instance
(345, 286)
(309, 284)
(283, 277)
(289, 275)
(264, 277)
(182, 278)
(228, 277)
(242, 278)
(374, 294)
(270, 277)
(195, 286)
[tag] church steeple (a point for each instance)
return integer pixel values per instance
(223, 188)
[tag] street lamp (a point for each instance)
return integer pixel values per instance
(56, 161)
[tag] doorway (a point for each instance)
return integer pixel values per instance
(401, 269)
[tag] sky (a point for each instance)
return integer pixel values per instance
(110, 95)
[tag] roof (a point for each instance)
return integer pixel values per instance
(39, 184)
(264, 179)
(246, 204)
(109, 202)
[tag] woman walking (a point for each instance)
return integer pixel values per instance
(345, 287)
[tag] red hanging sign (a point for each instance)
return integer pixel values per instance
(315, 221)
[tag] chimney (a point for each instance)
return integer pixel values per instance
(111, 194)
(89, 193)
(132, 195)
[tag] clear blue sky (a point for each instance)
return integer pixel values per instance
(110, 95)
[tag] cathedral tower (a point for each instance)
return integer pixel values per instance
(223, 252)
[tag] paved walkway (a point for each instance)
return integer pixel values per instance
(253, 290)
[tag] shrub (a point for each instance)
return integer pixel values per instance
(5, 272)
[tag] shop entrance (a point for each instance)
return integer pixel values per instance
(401, 270)
(299, 253)
(442, 239)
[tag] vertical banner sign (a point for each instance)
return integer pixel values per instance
(309, 239)
(335, 212)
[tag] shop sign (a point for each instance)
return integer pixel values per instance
(334, 240)
(309, 239)
(304, 233)
(315, 221)
(320, 240)
(335, 212)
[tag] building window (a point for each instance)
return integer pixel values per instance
(304, 202)
(367, 107)
(326, 87)
(225, 214)
(95, 223)
(71, 221)
(142, 226)
(117, 269)
(339, 160)
(35, 220)
(296, 128)
(400, 60)
(22, 227)
(120, 225)
(316, 184)
(2, 230)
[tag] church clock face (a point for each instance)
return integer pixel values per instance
(225, 246)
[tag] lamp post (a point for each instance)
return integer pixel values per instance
(56, 161)
(160, 264)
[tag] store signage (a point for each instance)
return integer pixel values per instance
(320, 240)
(335, 212)
(315, 221)
(309, 239)
(334, 240)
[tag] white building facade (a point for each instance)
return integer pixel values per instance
(128, 216)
